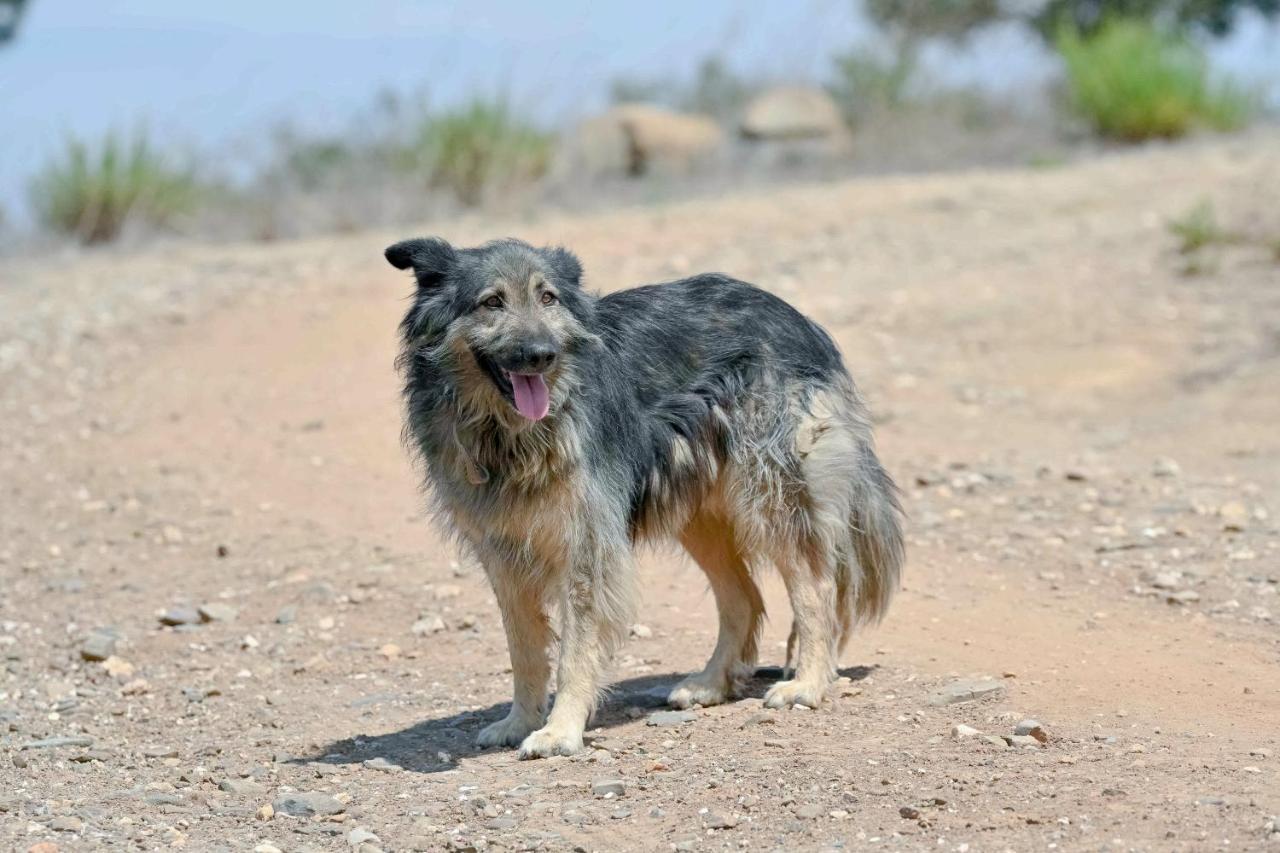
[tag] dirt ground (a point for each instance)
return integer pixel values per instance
(1084, 423)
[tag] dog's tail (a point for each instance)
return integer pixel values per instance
(869, 576)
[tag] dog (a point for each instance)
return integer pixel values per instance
(559, 430)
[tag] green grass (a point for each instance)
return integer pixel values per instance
(1198, 228)
(1134, 82)
(91, 191)
(477, 149)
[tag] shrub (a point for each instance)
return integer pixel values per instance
(1197, 228)
(865, 83)
(91, 191)
(477, 148)
(1133, 82)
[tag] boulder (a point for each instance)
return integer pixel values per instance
(792, 112)
(639, 139)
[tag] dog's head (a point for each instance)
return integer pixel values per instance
(506, 313)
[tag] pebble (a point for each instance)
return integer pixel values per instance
(117, 667)
(1166, 580)
(241, 787)
(99, 645)
(360, 835)
(808, 811)
(712, 820)
(1166, 467)
(287, 614)
(390, 651)
(382, 764)
(960, 731)
(909, 813)
(641, 632)
(1032, 728)
(180, 616)
(607, 787)
(502, 824)
(43, 847)
(966, 690)
(266, 847)
(159, 752)
(670, 718)
(447, 590)
(217, 612)
(306, 804)
(1186, 596)
(428, 623)
(1023, 740)
(66, 823)
(55, 742)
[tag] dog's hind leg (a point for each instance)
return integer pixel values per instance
(528, 637)
(711, 543)
(811, 587)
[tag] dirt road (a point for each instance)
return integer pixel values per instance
(1085, 429)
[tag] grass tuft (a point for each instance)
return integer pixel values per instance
(1134, 82)
(91, 191)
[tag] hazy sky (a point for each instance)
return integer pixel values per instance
(211, 76)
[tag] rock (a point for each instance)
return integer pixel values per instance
(909, 813)
(99, 645)
(55, 742)
(670, 718)
(265, 812)
(360, 835)
(1185, 596)
(217, 612)
(712, 820)
(390, 651)
(427, 624)
(1235, 515)
(241, 787)
(118, 667)
(808, 811)
(180, 616)
(1023, 740)
(966, 690)
(66, 823)
(1031, 728)
(641, 632)
(287, 615)
(446, 591)
(266, 847)
(994, 740)
(382, 764)
(306, 804)
(43, 847)
(1165, 467)
(608, 787)
(960, 731)
(1166, 580)
(159, 752)
(635, 139)
(792, 112)
(502, 824)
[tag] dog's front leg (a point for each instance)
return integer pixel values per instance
(528, 638)
(596, 610)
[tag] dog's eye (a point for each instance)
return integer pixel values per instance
(494, 301)
(548, 298)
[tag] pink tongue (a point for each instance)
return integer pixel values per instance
(532, 399)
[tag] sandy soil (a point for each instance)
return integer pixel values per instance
(1086, 435)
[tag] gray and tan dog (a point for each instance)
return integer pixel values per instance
(559, 430)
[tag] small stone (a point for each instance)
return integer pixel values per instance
(159, 752)
(1023, 740)
(382, 764)
(966, 690)
(1032, 728)
(266, 847)
(99, 645)
(467, 623)
(808, 811)
(287, 615)
(265, 812)
(994, 741)
(217, 612)
(502, 824)
(390, 651)
(43, 847)
(608, 787)
(960, 731)
(1235, 515)
(837, 814)
(241, 787)
(306, 804)
(55, 742)
(446, 591)
(713, 820)
(1166, 580)
(360, 835)
(180, 616)
(909, 813)
(1165, 467)
(670, 718)
(118, 667)
(641, 632)
(66, 823)
(172, 534)
(1186, 596)
(427, 624)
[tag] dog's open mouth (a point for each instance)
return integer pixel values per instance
(529, 391)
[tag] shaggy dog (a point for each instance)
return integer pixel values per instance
(559, 430)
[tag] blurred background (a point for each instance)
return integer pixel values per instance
(140, 120)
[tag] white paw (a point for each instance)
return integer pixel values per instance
(546, 742)
(696, 691)
(508, 731)
(784, 694)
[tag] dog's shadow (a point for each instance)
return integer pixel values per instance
(433, 746)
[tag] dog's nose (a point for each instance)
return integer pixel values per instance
(540, 357)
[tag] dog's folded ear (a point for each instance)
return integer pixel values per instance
(430, 257)
(565, 263)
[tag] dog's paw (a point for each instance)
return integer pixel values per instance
(546, 742)
(784, 694)
(508, 731)
(696, 691)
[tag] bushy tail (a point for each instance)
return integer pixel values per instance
(866, 583)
